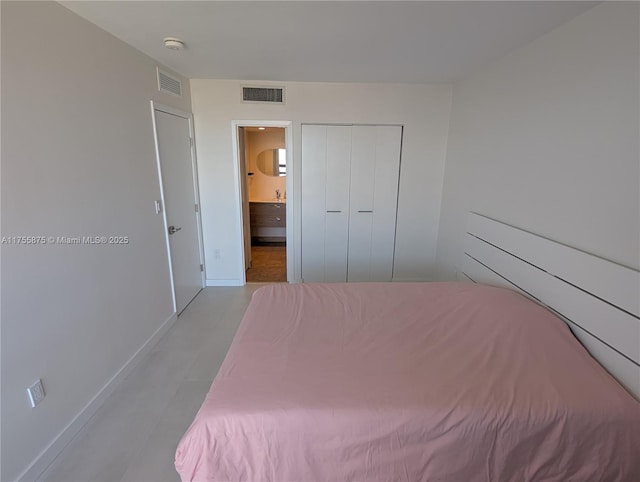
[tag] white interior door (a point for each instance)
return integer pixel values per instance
(349, 200)
(244, 193)
(326, 153)
(385, 201)
(337, 203)
(363, 177)
(314, 170)
(173, 133)
(375, 165)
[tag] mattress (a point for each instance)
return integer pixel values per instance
(409, 382)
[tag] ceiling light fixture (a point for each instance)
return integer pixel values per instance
(173, 43)
(261, 128)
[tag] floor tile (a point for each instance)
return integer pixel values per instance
(133, 436)
(154, 463)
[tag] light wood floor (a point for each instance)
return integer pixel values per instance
(268, 264)
(133, 436)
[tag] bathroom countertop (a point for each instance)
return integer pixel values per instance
(274, 200)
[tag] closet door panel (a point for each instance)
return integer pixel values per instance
(360, 237)
(335, 249)
(338, 159)
(349, 200)
(363, 154)
(314, 160)
(388, 147)
(363, 168)
(374, 192)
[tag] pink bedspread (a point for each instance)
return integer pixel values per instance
(411, 382)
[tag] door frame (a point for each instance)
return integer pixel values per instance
(288, 139)
(156, 106)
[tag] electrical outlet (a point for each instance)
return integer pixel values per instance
(216, 254)
(36, 393)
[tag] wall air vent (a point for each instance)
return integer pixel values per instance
(169, 84)
(268, 95)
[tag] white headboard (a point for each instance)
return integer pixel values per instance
(599, 299)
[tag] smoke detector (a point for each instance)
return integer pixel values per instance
(173, 43)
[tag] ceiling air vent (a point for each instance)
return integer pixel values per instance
(269, 95)
(169, 84)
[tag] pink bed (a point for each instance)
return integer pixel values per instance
(413, 382)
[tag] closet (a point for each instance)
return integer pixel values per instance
(349, 198)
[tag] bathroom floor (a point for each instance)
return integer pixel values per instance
(269, 264)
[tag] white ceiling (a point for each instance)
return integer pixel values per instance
(339, 41)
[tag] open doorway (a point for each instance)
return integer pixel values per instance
(262, 158)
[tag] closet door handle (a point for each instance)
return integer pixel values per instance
(365, 211)
(334, 211)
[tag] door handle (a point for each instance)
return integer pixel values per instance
(365, 211)
(173, 229)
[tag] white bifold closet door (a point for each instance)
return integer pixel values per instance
(349, 199)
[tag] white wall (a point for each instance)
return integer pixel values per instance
(422, 109)
(78, 159)
(546, 139)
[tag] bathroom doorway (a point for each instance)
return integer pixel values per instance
(262, 156)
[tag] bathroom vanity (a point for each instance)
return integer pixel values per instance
(268, 221)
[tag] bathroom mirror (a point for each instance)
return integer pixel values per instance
(273, 162)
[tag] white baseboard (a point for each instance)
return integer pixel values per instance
(48, 455)
(225, 282)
